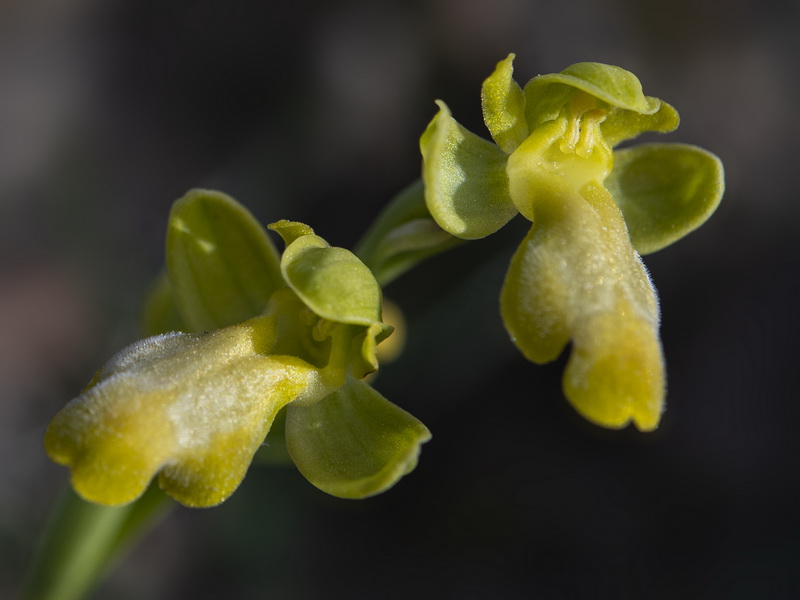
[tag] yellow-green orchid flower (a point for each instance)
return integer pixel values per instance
(577, 277)
(256, 333)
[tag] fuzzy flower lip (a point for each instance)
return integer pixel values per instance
(577, 277)
(192, 407)
(258, 332)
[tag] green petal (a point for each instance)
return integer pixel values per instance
(354, 443)
(221, 263)
(665, 191)
(403, 235)
(332, 282)
(504, 107)
(623, 124)
(466, 187)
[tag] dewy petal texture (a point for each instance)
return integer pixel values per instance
(192, 407)
(576, 277)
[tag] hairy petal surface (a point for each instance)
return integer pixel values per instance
(504, 107)
(576, 278)
(192, 407)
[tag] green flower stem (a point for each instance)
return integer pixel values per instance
(84, 540)
(403, 235)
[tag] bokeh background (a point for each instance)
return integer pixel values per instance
(110, 110)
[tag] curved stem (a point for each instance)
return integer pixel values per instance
(84, 540)
(403, 235)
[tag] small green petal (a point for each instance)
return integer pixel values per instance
(466, 187)
(665, 191)
(623, 124)
(290, 230)
(354, 443)
(221, 263)
(331, 281)
(504, 107)
(364, 358)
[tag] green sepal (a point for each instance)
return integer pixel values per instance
(665, 191)
(466, 186)
(159, 311)
(504, 107)
(615, 86)
(624, 124)
(354, 443)
(403, 235)
(331, 281)
(221, 263)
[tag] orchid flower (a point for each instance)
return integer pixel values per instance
(255, 333)
(577, 277)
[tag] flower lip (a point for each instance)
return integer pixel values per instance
(191, 408)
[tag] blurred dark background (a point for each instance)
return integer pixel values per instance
(109, 111)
